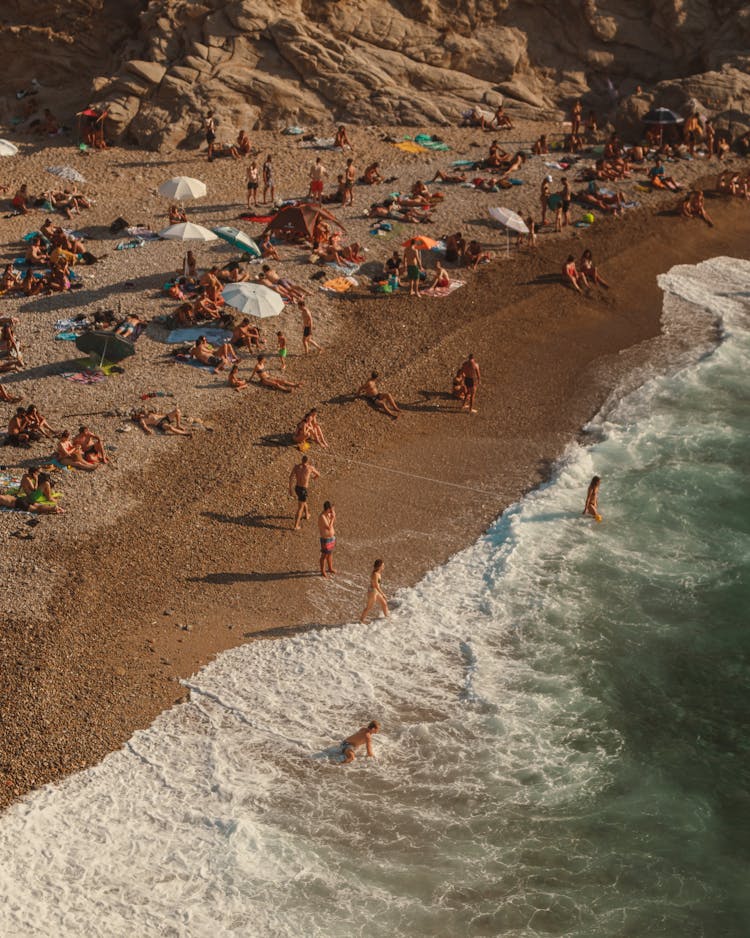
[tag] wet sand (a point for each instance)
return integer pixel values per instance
(202, 555)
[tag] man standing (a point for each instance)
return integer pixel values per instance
(350, 176)
(413, 262)
(299, 479)
(269, 185)
(326, 521)
(317, 175)
(307, 327)
(470, 371)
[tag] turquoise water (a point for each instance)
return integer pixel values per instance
(566, 723)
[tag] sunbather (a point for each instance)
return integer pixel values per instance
(474, 255)
(68, 453)
(246, 335)
(234, 381)
(36, 423)
(90, 445)
(176, 215)
(279, 384)
(170, 423)
(382, 400)
(587, 271)
(9, 345)
(372, 175)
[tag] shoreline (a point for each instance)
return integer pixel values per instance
(549, 360)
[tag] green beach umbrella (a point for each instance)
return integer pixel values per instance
(237, 239)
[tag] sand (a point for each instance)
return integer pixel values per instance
(182, 548)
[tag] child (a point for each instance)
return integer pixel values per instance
(282, 350)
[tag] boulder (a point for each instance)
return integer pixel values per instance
(151, 72)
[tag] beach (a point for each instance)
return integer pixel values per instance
(183, 548)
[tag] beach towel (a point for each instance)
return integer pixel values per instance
(319, 143)
(9, 482)
(554, 165)
(142, 231)
(193, 362)
(133, 243)
(214, 335)
(408, 146)
(443, 291)
(339, 285)
(87, 376)
(431, 143)
(293, 131)
(463, 162)
(347, 270)
(260, 219)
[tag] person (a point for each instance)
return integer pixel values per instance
(266, 381)
(566, 197)
(281, 349)
(36, 423)
(9, 347)
(441, 279)
(413, 262)
(299, 480)
(20, 200)
(659, 180)
(309, 430)
(341, 141)
(372, 175)
(500, 120)
(592, 499)
(316, 431)
(234, 381)
(243, 143)
(458, 388)
(544, 194)
(694, 206)
(176, 215)
(326, 529)
(474, 255)
(17, 432)
(170, 423)
(247, 335)
(8, 398)
(441, 176)
(570, 273)
(362, 737)
(350, 177)
(317, 180)
(540, 147)
(269, 186)
(90, 446)
(470, 371)
(375, 594)
(68, 453)
(251, 176)
(307, 327)
(383, 401)
(210, 130)
(35, 491)
(588, 271)
(575, 117)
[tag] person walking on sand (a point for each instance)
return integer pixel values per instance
(317, 179)
(269, 185)
(253, 177)
(299, 481)
(471, 373)
(361, 738)
(413, 263)
(307, 327)
(210, 130)
(326, 522)
(592, 499)
(375, 594)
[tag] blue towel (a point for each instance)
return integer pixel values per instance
(214, 335)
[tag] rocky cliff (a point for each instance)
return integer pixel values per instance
(161, 65)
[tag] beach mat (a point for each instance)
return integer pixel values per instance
(443, 291)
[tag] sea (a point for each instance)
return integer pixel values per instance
(565, 710)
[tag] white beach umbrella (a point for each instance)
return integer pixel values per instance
(7, 148)
(67, 173)
(181, 188)
(253, 299)
(187, 231)
(511, 221)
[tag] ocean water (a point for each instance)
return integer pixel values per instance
(565, 710)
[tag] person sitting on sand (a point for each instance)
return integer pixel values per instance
(36, 491)
(177, 215)
(170, 423)
(382, 401)
(10, 279)
(9, 344)
(500, 120)
(68, 453)
(540, 147)
(220, 358)
(17, 433)
(441, 279)
(515, 164)
(341, 140)
(659, 180)
(243, 143)
(234, 381)
(588, 272)
(474, 255)
(246, 335)
(59, 277)
(91, 446)
(693, 206)
(32, 285)
(20, 200)
(205, 309)
(308, 430)
(183, 315)
(455, 247)
(9, 398)
(570, 273)
(267, 249)
(496, 157)
(362, 737)
(36, 255)
(266, 381)
(458, 388)
(371, 176)
(36, 423)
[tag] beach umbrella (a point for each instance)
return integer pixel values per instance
(662, 116)
(187, 231)
(181, 188)
(67, 173)
(7, 148)
(237, 239)
(511, 221)
(421, 243)
(253, 299)
(107, 345)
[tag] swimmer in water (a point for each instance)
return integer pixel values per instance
(592, 499)
(360, 738)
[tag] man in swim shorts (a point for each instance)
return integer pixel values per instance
(299, 478)
(413, 263)
(326, 521)
(317, 176)
(471, 375)
(362, 737)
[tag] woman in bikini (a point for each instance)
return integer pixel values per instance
(35, 492)
(266, 381)
(592, 499)
(588, 272)
(375, 594)
(234, 381)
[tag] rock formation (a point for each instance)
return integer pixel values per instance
(161, 65)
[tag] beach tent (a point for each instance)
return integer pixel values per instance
(300, 220)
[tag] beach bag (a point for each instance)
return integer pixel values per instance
(119, 224)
